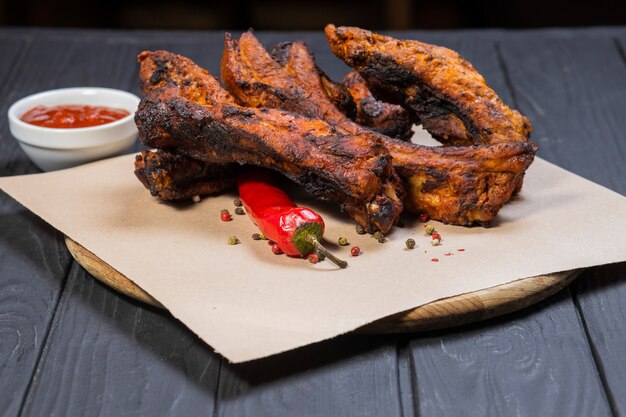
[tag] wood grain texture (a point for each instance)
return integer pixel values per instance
(505, 367)
(351, 376)
(536, 362)
(578, 100)
(582, 94)
(107, 274)
(109, 356)
(33, 267)
(33, 261)
(600, 296)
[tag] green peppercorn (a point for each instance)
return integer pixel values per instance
(377, 235)
(343, 241)
(237, 202)
(232, 240)
(360, 229)
(410, 243)
(429, 229)
(239, 211)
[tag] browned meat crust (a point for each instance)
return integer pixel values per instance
(458, 185)
(291, 56)
(185, 111)
(389, 119)
(175, 177)
(444, 91)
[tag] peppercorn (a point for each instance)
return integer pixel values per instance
(360, 229)
(429, 229)
(379, 237)
(343, 241)
(355, 251)
(436, 236)
(313, 258)
(410, 243)
(435, 242)
(256, 236)
(232, 240)
(225, 216)
(423, 217)
(195, 198)
(239, 211)
(237, 202)
(321, 256)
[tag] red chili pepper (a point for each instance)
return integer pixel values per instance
(296, 230)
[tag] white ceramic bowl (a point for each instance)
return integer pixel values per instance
(55, 148)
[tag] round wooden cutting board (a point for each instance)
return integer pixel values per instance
(444, 313)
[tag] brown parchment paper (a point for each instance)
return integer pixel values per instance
(247, 303)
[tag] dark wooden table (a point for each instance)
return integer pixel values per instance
(69, 346)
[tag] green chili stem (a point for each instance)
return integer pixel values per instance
(313, 240)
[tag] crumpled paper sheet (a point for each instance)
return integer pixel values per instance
(247, 303)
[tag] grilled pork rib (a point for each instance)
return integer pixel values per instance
(444, 91)
(458, 185)
(388, 119)
(170, 176)
(185, 111)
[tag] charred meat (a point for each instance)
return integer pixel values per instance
(456, 184)
(185, 111)
(442, 90)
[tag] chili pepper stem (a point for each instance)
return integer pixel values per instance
(313, 240)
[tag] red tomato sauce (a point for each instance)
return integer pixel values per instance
(72, 115)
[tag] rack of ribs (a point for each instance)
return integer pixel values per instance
(453, 184)
(186, 112)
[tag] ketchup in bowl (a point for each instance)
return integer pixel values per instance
(72, 115)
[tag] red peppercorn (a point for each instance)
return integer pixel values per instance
(355, 251)
(436, 236)
(225, 216)
(424, 217)
(313, 258)
(276, 249)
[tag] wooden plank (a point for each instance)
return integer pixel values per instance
(105, 355)
(600, 295)
(585, 87)
(33, 261)
(506, 366)
(577, 101)
(13, 49)
(572, 87)
(109, 356)
(350, 376)
(33, 267)
(536, 362)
